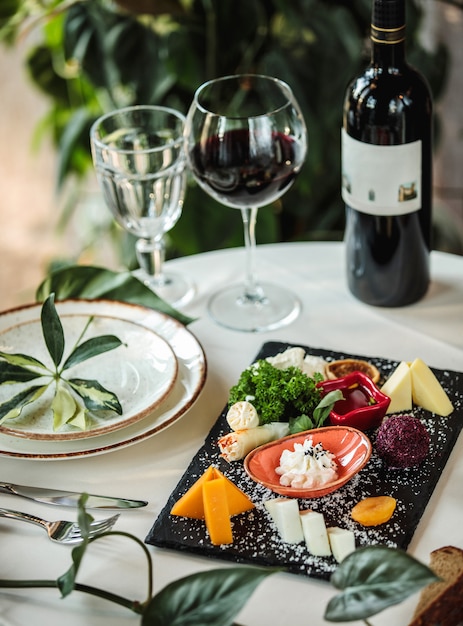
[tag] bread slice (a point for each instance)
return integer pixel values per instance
(441, 603)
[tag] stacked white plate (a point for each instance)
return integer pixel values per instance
(157, 374)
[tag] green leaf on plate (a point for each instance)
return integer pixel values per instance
(90, 282)
(52, 330)
(13, 407)
(372, 579)
(95, 396)
(90, 348)
(213, 597)
(64, 407)
(22, 360)
(15, 374)
(79, 419)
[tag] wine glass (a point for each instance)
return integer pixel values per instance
(139, 158)
(246, 142)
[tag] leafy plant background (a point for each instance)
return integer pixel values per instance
(94, 56)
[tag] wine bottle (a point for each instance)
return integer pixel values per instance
(387, 169)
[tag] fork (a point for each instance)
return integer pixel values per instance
(62, 531)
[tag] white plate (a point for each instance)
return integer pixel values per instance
(141, 372)
(189, 382)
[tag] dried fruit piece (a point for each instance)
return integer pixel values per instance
(374, 511)
(338, 369)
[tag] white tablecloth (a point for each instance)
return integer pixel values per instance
(331, 319)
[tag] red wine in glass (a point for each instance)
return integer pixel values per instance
(238, 169)
(246, 142)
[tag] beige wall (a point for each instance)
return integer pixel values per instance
(27, 209)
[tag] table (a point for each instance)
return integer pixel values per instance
(331, 318)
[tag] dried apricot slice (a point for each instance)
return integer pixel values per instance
(374, 511)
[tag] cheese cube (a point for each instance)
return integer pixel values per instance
(315, 535)
(427, 391)
(399, 389)
(342, 542)
(285, 514)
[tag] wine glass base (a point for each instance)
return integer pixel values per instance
(274, 308)
(173, 288)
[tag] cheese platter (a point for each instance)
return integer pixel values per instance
(256, 539)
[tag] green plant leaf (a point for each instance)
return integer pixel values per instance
(13, 407)
(90, 282)
(22, 360)
(78, 126)
(64, 407)
(79, 419)
(67, 581)
(52, 330)
(325, 406)
(213, 598)
(15, 374)
(300, 424)
(95, 396)
(372, 579)
(90, 348)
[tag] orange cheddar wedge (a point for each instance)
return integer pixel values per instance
(238, 502)
(216, 511)
(191, 503)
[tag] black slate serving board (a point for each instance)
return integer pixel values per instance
(255, 538)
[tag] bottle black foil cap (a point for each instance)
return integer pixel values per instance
(388, 21)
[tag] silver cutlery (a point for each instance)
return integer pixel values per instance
(69, 498)
(62, 531)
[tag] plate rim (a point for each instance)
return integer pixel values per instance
(157, 317)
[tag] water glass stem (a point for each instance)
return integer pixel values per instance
(150, 255)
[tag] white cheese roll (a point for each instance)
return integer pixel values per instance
(242, 415)
(236, 445)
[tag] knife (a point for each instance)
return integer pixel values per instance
(69, 498)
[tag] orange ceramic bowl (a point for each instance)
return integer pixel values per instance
(351, 448)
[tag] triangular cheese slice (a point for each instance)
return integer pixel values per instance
(238, 502)
(399, 389)
(191, 504)
(427, 391)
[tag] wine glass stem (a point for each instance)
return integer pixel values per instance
(253, 291)
(150, 255)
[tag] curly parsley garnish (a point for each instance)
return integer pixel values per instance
(283, 395)
(66, 404)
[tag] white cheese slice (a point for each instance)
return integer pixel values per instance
(399, 389)
(342, 542)
(285, 514)
(314, 364)
(315, 535)
(427, 392)
(290, 357)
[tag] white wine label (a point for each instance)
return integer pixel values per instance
(381, 180)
